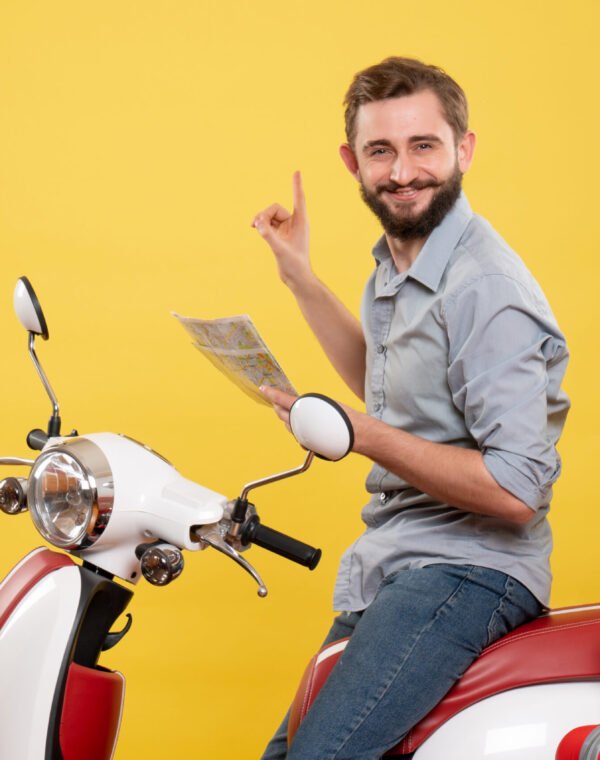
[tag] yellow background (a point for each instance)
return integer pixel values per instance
(137, 140)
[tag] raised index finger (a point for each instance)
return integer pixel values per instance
(299, 197)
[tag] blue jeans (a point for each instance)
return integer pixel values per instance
(419, 635)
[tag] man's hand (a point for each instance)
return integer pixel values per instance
(287, 235)
(282, 403)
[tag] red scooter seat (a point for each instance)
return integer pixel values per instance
(562, 645)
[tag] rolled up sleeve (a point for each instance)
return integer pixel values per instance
(502, 344)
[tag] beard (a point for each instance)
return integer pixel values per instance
(402, 224)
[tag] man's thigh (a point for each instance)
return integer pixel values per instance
(422, 631)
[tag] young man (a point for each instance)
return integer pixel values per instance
(459, 360)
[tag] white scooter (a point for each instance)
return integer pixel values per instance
(125, 512)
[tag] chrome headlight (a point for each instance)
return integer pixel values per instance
(71, 494)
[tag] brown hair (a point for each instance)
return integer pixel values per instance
(395, 77)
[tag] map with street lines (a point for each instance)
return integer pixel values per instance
(234, 346)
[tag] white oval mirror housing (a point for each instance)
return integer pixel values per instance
(28, 309)
(321, 425)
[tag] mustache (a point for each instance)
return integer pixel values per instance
(416, 184)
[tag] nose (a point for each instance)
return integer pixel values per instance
(404, 170)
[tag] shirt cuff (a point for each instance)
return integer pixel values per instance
(511, 476)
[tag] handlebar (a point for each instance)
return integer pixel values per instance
(256, 533)
(17, 461)
(37, 439)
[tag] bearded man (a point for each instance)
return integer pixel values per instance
(459, 361)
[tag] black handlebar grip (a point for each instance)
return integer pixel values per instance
(37, 439)
(286, 546)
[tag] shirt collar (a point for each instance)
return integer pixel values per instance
(430, 264)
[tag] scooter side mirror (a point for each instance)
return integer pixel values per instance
(28, 309)
(31, 316)
(321, 425)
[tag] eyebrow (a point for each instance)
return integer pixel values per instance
(425, 138)
(382, 142)
(377, 143)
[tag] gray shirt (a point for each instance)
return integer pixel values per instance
(462, 349)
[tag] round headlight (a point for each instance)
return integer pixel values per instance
(68, 507)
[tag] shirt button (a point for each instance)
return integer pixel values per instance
(383, 497)
(380, 348)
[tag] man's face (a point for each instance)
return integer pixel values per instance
(407, 162)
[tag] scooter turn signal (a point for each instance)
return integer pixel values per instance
(13, 495)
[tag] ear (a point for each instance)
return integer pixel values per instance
(349, 160)
(465, 150)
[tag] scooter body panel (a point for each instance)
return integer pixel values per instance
(33, 643)
(153, 501)
(521, 723)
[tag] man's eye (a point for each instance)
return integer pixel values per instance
(379, 151)
(423, 146)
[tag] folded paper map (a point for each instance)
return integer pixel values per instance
(234, 346)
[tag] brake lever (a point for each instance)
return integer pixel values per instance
(212, 537)
(16, 461)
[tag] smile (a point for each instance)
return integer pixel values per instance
(403, 194)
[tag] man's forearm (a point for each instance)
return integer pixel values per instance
(450, 474)
(337, 330)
